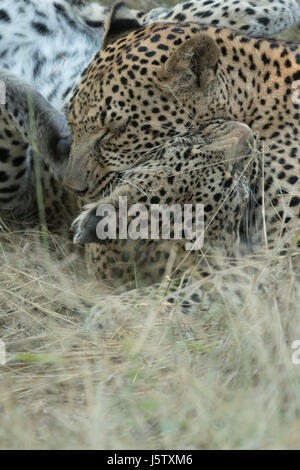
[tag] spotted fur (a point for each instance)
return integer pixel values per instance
(183, 171)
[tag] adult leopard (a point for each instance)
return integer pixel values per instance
(164, 81)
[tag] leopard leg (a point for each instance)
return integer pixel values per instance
(228, 158)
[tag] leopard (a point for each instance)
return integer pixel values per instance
(45, 54)
(151, 85)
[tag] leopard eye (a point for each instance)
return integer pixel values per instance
(111, 133)
(119, 129)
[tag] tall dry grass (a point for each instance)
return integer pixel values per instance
(91, 368)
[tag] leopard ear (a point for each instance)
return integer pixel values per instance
(120, 22)
(192, 66)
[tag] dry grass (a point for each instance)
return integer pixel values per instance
(87, 368)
